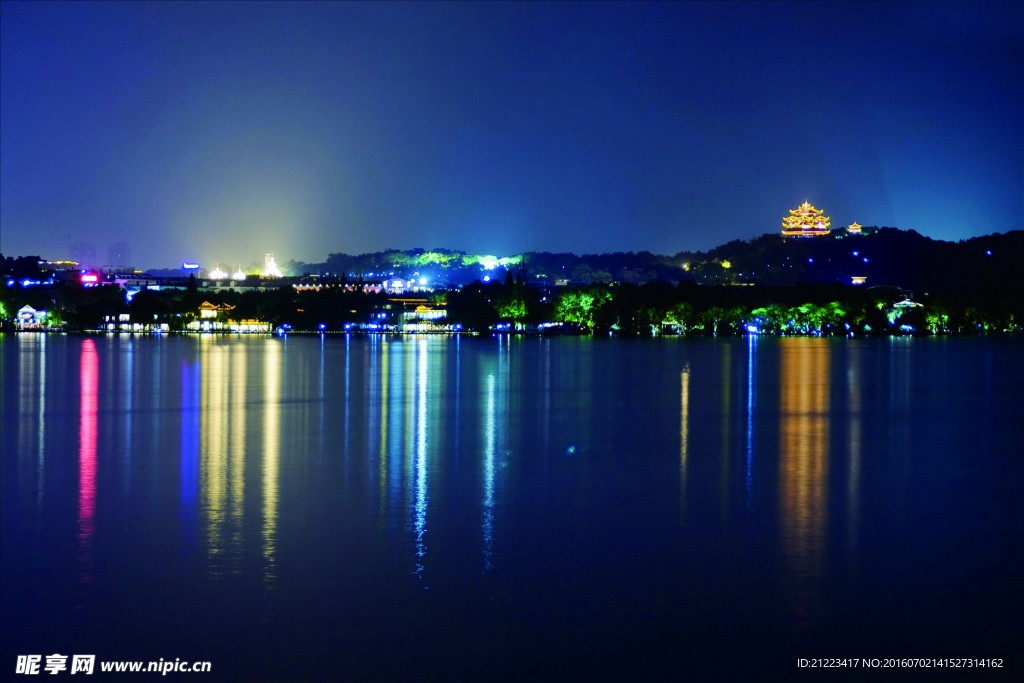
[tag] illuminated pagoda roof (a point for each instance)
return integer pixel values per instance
(805, 221)
(854, 228)
(207, 306)
(218, 274)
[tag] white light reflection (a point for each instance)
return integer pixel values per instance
(751, 340)
(488, 525)
(421, 457)
(853, 381)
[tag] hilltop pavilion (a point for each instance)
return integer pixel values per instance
(805, 221)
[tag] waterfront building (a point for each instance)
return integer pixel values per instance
(244, 326)
(122, 322)
(31, 319)
(425, 312)
(805, 221)
(208, 310)
(217, 318)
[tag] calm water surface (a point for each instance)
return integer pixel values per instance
(368, 507)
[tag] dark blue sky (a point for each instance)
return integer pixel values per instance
(218, 131)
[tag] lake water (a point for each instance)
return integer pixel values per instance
(457, 509)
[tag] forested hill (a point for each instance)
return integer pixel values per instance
(885, 256)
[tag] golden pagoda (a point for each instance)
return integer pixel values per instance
(854, 228)
(805, 221)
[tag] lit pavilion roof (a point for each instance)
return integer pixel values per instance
(805, 221)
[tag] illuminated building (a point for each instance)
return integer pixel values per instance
(270, 268)
(401, 286)
(122, 322)
(859, 279)
(215, 318)
(31, 319)
(424, 312)
(239, 274)
(208, 310)
(53, 266)
(854, 228)
(218, 274)
(805, 221)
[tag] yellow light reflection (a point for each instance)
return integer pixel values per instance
(213, 483)
(239, 374)
(271, 455)
(684, 433)
(803, 471)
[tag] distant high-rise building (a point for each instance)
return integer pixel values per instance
(120, 254)
(85, 254)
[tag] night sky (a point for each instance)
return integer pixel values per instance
(219, 131)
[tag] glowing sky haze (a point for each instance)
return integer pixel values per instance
(219, 131)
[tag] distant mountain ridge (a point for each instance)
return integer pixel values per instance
(885, 256)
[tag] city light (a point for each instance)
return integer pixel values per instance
(487, 278)
(270, 268)
(90, 278)
(423, 280)
(239, 274)
(218, 274)
(190, 266)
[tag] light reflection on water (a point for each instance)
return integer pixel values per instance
(89, 374)
(804, 453)
(583, 491)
